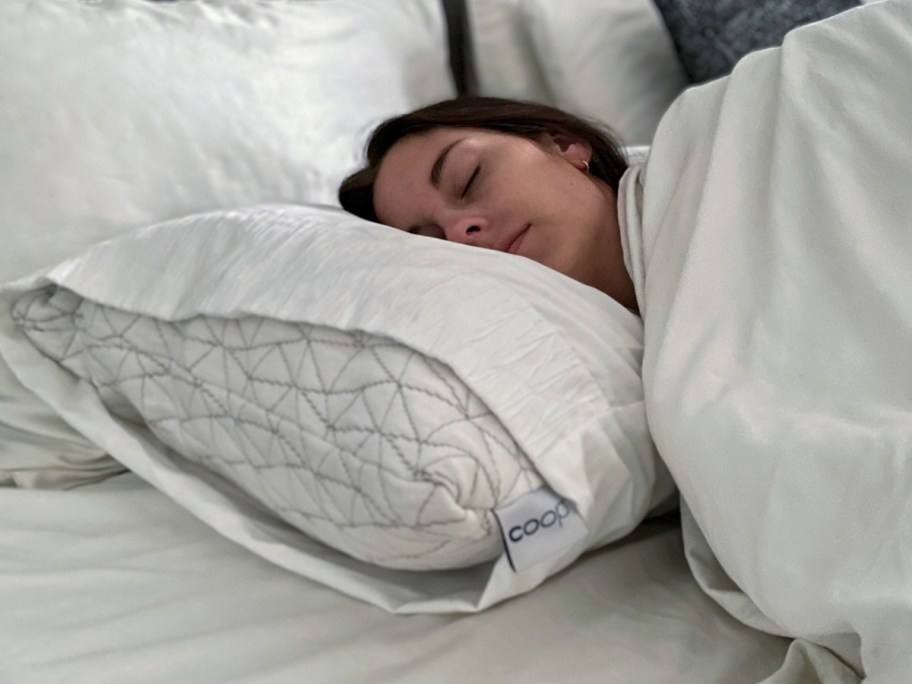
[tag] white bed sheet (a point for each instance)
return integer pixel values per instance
(114, 583)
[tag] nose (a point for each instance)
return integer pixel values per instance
(467, 228)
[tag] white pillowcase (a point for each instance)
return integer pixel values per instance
(120, 114)
(542, 374)
(612, 60)
(506, 64)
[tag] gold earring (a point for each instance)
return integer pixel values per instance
(585, 167)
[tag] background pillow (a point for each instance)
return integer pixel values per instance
(506, 64)
(227, 361)
(120, 114)
(712, 35)
(612, 61)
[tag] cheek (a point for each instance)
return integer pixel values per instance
(576, 202)
(582, 235)
(398, 204)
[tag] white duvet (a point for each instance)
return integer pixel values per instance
(770, 236)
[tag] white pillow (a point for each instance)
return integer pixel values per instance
(504, 55)
(355, 439)
(386, 394)
(610, 60)
(120, 114)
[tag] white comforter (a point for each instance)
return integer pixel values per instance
(770, 235)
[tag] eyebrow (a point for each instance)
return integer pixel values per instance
(437, 168)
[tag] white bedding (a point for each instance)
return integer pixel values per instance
(115, 584)
(769, 236)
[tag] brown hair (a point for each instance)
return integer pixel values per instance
(525, 119)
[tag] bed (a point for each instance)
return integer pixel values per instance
(103, 577)
(114, 583)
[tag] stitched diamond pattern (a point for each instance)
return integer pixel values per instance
(358, 441)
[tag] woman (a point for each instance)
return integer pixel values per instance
(513, 176)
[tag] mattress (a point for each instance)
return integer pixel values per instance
(114, 583)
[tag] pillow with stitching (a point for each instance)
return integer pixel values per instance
(352, 438)
(386, 394)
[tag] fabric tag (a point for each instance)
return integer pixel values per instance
(538, 525)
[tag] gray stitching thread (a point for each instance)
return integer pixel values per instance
(138, 360)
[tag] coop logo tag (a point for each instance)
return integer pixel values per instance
(538, 525)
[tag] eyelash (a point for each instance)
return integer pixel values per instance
(465, 191)
(468, 185)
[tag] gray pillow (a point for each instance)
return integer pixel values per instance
(710, 36)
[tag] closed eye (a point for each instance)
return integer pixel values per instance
(468, 185)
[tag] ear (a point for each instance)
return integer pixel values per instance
(574, 150)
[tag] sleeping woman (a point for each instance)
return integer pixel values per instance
(766, 245)
(500, 174)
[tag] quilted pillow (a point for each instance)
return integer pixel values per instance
(712, 35)
(394, 397)
(355, 439)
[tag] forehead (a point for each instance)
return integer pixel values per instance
(403, 179)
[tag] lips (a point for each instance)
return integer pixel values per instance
(514, 244)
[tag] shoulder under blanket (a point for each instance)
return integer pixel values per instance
(770, 235)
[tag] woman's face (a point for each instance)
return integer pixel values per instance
(528, 197)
